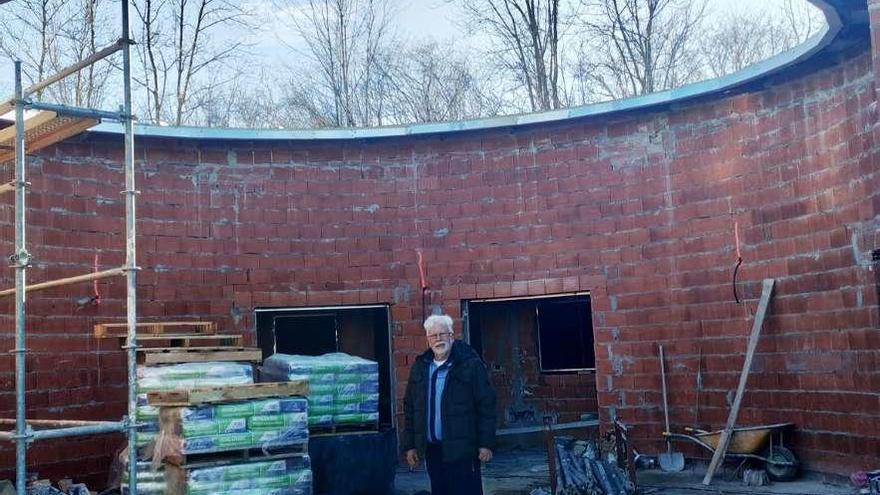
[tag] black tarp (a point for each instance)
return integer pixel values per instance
(354, 463)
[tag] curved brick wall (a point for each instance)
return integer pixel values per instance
(637, 208)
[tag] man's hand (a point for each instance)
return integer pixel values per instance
(485, 455)
(412, 457)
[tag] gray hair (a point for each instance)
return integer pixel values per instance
(444, 320)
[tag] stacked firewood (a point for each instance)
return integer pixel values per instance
(581, 470)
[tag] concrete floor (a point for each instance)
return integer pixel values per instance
(517, 472)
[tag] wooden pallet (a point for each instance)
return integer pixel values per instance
(234, 456)
(105, 330)
(186, 340)
(323, 431)
(177, 355)
(227, 393)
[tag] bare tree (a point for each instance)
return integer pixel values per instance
(66, 31)
(738, 39)
(636, 47)
(342, 79)
(83, 33)
(178, 44)
(26, 21)
(430, 83)
(800, 21)
(527, 39)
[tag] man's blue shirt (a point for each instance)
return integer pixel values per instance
(436, 383)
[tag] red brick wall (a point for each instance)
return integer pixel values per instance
(639, 210)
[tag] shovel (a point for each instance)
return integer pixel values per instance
(670, 461)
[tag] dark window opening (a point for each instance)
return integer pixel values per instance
(306, 334)
(561, 329)
(357, 330)
(528, 344)
(565, 335)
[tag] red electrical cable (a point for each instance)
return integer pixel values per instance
(97, 297)
(739, 260)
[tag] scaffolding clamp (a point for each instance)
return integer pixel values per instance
(27, 436)
(21, 259)
(128, 423)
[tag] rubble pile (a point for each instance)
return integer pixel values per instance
(580, 470)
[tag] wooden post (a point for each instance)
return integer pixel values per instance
(724, 441)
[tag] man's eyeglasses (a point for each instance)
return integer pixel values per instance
(439, 336)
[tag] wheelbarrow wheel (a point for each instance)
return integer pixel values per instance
(781, 472)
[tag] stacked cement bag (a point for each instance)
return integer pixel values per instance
(257, 423)
(291, 476)
(343, 389)
(177, 377)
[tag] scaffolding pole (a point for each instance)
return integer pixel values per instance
(130, 249)
(20, 261)
(95, 428)
(53, 429)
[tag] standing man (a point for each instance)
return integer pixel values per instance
(449, 411)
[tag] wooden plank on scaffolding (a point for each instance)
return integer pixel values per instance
(760, 315)
(7, 187)
(46, 134)
(67, 281)
(187, 355)
(7, 106)
(226, 393)
(109, 330)
(7, 135)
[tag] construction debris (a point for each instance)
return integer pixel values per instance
(581, 471)
(755, 477)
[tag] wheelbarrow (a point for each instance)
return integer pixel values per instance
(746, 442)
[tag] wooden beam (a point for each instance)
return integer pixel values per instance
(71, 128)
(210, 395)
(724, 441)
(34, 121)
(7, 106)
(183, 356)
(7, 187)
(67, 281)
(169, 328)
(49, 133)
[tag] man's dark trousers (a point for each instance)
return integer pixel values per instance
(452, 478)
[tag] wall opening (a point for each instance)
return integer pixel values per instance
(540, 355)
(357, 330)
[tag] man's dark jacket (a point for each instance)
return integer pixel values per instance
(467, 406)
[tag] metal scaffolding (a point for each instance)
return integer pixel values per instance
(52, 123)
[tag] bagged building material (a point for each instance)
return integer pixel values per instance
(149, 482)
(257, 423)
(286, 476)
(181, 376)
(343, 389)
